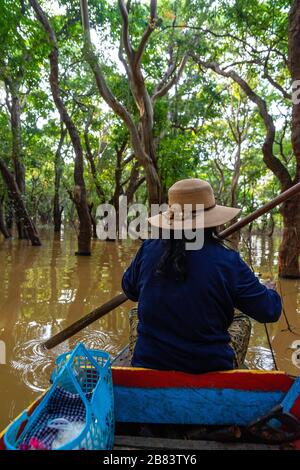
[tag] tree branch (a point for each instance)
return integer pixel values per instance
(125, 30)
(45, 23)
(273, 82)
(281, 144)
(163, 90)
(90, 156)
(147, 33)
(272, 162)
(128, 159)
(109, 98)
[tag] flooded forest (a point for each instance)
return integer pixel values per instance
(112, 101)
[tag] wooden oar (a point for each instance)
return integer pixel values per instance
(289, 193)
(85, 321)
(121, 298)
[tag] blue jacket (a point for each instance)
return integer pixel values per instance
(183, 324)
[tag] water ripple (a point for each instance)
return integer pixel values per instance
(96, 339)
(33, 363)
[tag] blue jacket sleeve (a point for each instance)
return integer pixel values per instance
(253, 298)
(130, 277)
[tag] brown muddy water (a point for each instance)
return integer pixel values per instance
(44, 289)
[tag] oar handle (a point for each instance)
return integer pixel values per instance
(85, 321)
(261, 211)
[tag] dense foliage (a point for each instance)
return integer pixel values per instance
(204, 126)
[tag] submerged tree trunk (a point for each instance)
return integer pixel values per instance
(271, 226)
(3, 227)
(135, 181)
(294, 66)
(57, 208)
(79, 193)
(118, 181)
(91, 158)
(93, 220)
(57, 212)
(290, 244)
(9, 216)
(17, 144)
(19, 206)
(290, 210)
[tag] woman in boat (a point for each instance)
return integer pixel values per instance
(188, 299)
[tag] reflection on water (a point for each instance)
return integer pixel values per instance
(45, 289)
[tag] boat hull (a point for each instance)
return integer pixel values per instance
(236, 397)
(220, 398)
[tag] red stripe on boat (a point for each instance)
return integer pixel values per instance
(149, 378)
(295, 410)
(2, 445)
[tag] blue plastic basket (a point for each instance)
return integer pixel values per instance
(86, 374)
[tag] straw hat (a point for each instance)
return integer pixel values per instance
(183, 212)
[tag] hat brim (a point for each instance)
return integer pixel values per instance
(219, 215)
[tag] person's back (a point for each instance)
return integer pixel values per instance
(183, 324)
(186, 298)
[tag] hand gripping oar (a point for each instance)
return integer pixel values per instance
(121, 298)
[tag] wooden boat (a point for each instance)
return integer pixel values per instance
(239, 409)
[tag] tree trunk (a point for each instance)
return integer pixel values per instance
(45, 217)
(134, 183)
(235, 237)
(236, 175)
(57, 209)
(271, 226)
(290, 246)
(3, 228)
(294, 66)
(19, 206)
(151, 175)
(93, 219)
(79, 193)
(85, 223)
(152, 180)
(151, 171)
(9, 216)
(17, 146)
(91, 158)
(98, 187)
(118, 183)
(141, 135)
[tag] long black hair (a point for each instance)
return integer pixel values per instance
(172, 264)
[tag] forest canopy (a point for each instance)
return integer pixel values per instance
(106, 98)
